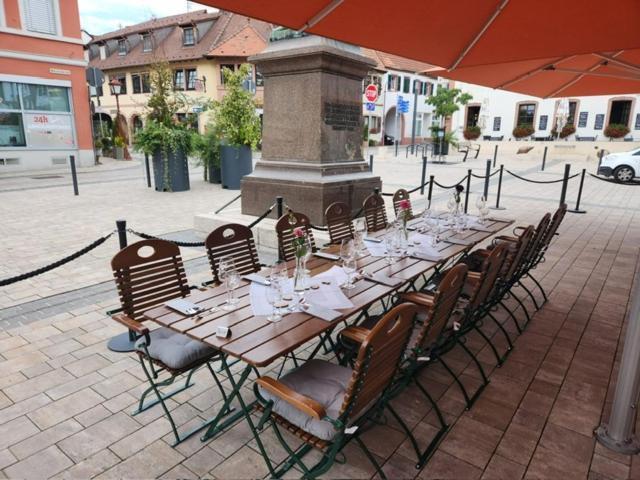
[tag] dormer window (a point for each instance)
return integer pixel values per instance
(122, 47)
(146, 42)
(188, 36)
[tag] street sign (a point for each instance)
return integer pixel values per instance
(371, 93)
(370, 106)
(197, 109)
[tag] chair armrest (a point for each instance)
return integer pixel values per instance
(131, 324)
(355, 334)
(301, 402)
(422, 299)
(506, 238)
(518, 229)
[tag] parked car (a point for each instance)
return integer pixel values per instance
(622, 166)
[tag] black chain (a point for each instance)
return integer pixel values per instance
(540, 181)
(146, 236)
(263, 216)
(51, 266)
(484, 176)
(451, 186)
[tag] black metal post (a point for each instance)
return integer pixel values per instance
(544, 158)
(396, 142)
(424, 174)
(431, 177)
(74, 175)
(125, 342)
(466, 193)
(498, 207)
(487, 177)
(600, 155)
(376, 191)
(148, 170)
(495, 155)
(577, 209)
(371, 163)
(565, 183)
(279, 207)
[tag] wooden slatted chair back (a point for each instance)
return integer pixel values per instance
(375, 213)
(444, 303)
(284, 231)
(378, 359)
(488, 276)
(400, 195)
(233, 240)
(558, 216)
(147, 274)
(537, 240)
(517, 255)
(338, 219)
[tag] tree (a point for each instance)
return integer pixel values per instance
(447, 101)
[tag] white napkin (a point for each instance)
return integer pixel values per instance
(376, 249)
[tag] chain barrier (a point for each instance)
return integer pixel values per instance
(263, 216)
(315, 227)
(632, 183)
(446, 187)
(146, 236)
(59, 263)
(541, 181)
(484, 176)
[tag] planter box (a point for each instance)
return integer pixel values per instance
(436, 148)
(119, 153)
(235, 163)
(214, 175)
(178, 172)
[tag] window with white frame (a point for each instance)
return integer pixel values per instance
(122, 47)
(147, 44)
(188, 36)
(35, 116)
(40, 16)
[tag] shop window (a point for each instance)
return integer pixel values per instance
(45, 98)
(11, 130)
(526, 114)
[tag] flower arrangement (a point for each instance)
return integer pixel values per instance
(616, 130)
(299, 240)
(522, 131)
(471, 133)
(404, 214)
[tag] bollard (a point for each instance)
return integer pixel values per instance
(146, 166)
(577, 209)
(565, 183)
(424, 174)
(371, 162)
(376, 191)
(498, 207)
(279, 206)
(74, 175)
(495, 155)
(600, 155)
(487, 176)
(431, 177)
(466, 193)
(125, 342)
(396, 142)
(544, 158)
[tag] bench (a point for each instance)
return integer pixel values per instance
(468, 147)
(489, 137)
(586, 139)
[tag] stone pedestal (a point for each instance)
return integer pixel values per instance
(312, 131)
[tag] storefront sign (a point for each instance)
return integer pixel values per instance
(49, 130)
(59, 71)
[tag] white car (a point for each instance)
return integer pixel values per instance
(622, 166)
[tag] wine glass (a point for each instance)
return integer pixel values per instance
(232, 282)
(274, 297)
(346, 248)
(307, 254)
(389, 241)
(484, 212)
(481, 202)
(349, 266)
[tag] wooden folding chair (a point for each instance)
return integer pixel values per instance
(327, 405)
(284, 231)
(338, 220)
(400, 195)
(148, 273)
(375, 213)
(233, 240)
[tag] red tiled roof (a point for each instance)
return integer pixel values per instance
(389, 61)
(243, 43)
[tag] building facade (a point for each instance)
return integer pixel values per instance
(498, 112)
(44, 108)
(197, 46)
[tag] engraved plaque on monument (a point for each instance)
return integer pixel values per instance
(312, 128)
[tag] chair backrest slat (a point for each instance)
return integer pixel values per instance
(338, 219)
(556, 220)
(233, 240)
(378, 359)
(489, 273)
(517, 255)
(400, 195)
(284, 231)
(375, 213)
(537, 240)
(145, 281)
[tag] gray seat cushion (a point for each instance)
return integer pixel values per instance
(322, 381)
(176, 350)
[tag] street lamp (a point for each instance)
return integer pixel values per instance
(115, 86)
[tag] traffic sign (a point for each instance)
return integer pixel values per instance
(370, 106)
(371, 93)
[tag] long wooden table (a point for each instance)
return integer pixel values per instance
(258, 342)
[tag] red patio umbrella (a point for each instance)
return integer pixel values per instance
(460, 33)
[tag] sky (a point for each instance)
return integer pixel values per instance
(101, 16)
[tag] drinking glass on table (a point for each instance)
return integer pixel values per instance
(481, 203)
(359, 231)
(349, 265)
(231, 278)
(347, 248)
(274, 298)
(307, 254)
(389, 244)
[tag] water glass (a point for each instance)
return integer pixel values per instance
(349, 266)
(274, 297)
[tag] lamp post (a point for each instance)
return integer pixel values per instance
(116, 89)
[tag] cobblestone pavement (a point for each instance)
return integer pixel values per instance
(65, 400)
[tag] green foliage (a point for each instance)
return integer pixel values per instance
(365, 133)
(522, 131)
(447, 101)
(235, 115)
(449, 137)
(119, 142)
(472, 132)
(98, 143)
(616, 130)
(157, 136)
(207, 148)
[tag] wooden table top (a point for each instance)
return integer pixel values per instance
(259, 342)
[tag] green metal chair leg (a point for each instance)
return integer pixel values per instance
(499, 359)
(370, 456)
(513, 317)
(229, 408)
(161, 401)
(517, 299)
(533, 299)
(458, 382)
(544, 294)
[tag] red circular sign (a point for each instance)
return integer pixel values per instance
(371, 93)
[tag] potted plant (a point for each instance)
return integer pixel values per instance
(616, 130)
(472, 132)
(207, 149)
(163, 137)
(238, 126)
(567, 130)
(119, 144)
(446, 102)
(522, 131)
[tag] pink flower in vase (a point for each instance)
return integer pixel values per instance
(404, 204)
(298, 232)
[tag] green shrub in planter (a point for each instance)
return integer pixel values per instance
(119, 145)
(207, 149)
(616, 130)
(522, 131)
(471, 133)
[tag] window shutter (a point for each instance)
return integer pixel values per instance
(40, 16)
